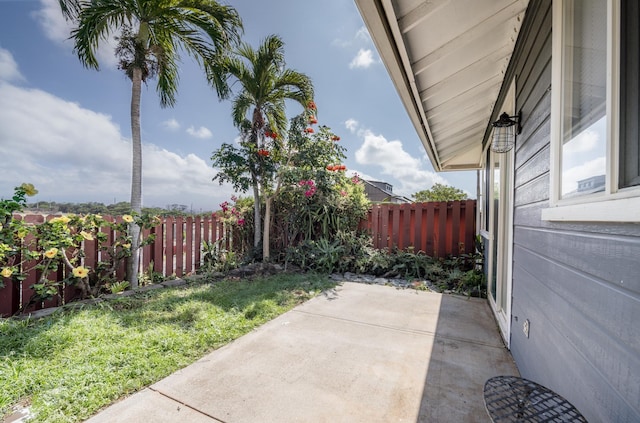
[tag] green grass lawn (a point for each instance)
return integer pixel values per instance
(69, 365)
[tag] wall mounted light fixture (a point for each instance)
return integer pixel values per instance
(505, 130)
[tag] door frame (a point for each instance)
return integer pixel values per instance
(499, 240)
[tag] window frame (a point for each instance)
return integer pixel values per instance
(613, 204)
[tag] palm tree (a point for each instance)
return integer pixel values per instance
(260, 104)
(151, 34)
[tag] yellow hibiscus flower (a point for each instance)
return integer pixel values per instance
(29, 189)
(51, 253)
(126, 246)
(61, 219)
(6, 272)
(80, 272)
(127, 218)
(86, 235)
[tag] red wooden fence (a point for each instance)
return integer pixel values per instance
(438, 229)
(177, 250)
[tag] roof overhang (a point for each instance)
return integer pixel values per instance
(448, 60)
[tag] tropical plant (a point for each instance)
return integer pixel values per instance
(259, 112)
(440, 192)
(151, 32)
(12, 233)
(16, 203)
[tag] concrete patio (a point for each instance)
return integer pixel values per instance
(360, 353)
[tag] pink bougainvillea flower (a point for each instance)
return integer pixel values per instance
(241, 222)
(343, 193)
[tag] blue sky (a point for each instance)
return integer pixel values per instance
(66, 129)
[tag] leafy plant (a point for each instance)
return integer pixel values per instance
(216, 258)
(118, 287)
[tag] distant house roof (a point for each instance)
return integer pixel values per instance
(382, 192)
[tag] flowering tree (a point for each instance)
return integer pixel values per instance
(259, 112)
(317, 198)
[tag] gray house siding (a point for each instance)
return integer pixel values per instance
(577, 284)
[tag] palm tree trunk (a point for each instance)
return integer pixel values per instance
(136, 176)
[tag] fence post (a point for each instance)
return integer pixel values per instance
(179, 250)
(454, 221)
(395, 227)
(197, 227)
(189, 244)
(158, 243)
(169, 242)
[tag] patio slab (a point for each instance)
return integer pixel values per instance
(359, 353)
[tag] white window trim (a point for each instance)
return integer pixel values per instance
(612, 205)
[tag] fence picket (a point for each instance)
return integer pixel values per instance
(189, 249)
(179, 257)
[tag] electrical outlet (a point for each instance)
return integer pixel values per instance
(525, 328)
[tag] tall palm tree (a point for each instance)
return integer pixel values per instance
(152, 32)
(265, 85)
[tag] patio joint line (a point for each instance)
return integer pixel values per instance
(186, 405)
(413, 331)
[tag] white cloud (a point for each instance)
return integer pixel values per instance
(363, 34)
(363, 59)
(361, 37)
(74, 154)
(58, 29)
(584, 142)
(351, 125)
(571, 176)
(202, 132)
(171, 124)
(376, 150)
(8, 67)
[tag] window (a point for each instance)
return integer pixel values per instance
(595, 114)
(629, 95)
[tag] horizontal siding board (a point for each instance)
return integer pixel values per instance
(539, 81)
(565, 368)
(540, 132)
(530, 215)
(532, 169)
(539, 28)
(577, 292)
(533, 191)
(610, 258)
